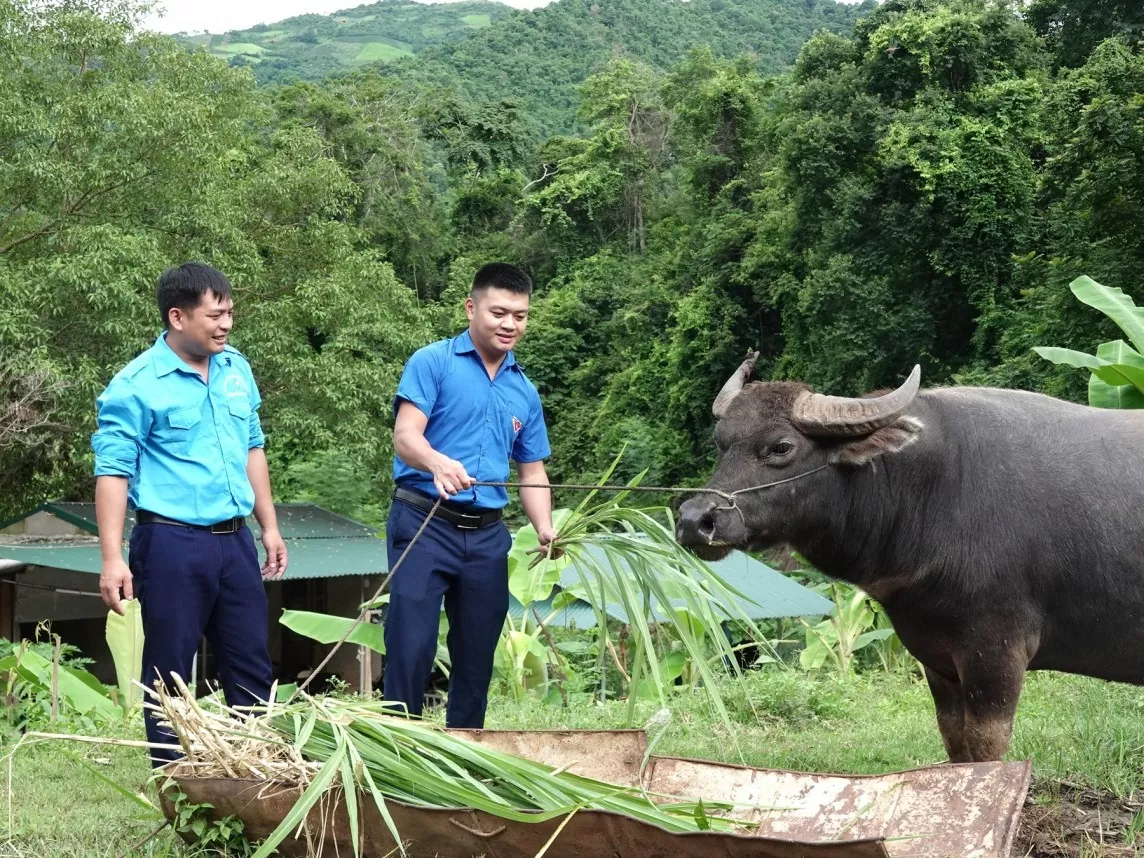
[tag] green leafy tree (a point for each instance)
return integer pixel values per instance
(370, 127)
(1073, 28)
(124, 154)
(906, 163)
(1090, 193)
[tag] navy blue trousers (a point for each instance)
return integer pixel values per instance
(469, 570)
(192, 583)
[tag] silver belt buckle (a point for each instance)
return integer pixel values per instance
(476, 526)
(231, 528)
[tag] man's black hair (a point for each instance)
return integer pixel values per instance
(501, 275)
(185, 286)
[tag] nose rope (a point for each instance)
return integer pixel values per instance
(727, 496)
(592, 487)
(731, 497)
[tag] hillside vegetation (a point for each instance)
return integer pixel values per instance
(309, 47)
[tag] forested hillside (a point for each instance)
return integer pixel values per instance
(540, 57)
(310, 47)
(920, 189)
(489, 51)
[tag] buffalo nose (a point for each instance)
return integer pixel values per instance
(696, 522)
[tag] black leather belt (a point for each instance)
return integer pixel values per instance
(464, 518)
(231, 525)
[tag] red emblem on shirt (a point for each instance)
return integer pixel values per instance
(516, 425)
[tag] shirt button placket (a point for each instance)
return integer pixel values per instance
(227, 465)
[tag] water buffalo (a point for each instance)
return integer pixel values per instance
(1003, 531)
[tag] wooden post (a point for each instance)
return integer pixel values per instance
(365, 673)
(366, 656)
(8, 629)
(56, 679)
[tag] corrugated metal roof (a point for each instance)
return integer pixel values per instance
(309, 558)
(295, 520)
(323, 544)
(578, 615)
(769, 594)
(75, 558)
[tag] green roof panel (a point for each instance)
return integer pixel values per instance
(578, 615)
(769, 594)
(77, 558)
(295, 520)
(308, 558)
(323, 544)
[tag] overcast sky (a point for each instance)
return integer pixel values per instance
(218, 16)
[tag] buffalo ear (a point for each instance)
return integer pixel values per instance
(888, 440)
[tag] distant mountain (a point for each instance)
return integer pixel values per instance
(488, 51)
(541, 56)
(310, 47)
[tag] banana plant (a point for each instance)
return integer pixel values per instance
(523, 659)
(851, 627)
(1117, 368)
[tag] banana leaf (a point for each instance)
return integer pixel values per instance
(125, 640)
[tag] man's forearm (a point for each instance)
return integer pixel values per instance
(110, 511)
(537, 504)
(258, 472)
(415, 451)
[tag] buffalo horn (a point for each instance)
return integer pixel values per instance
(818, 414)
(734, 385)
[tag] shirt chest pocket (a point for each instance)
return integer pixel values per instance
(510, 416)
(178, 428)
(239, 408)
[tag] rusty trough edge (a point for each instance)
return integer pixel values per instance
(1011, 812)
(706, 843)
(609, 824)
(1014, 810)
(1027, 764)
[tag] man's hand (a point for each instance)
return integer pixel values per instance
(275, 566)
(548, 549)
(547, 537)
(113, 578)
(449, 476)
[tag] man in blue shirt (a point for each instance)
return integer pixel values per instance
(463, 408)
(179, 438)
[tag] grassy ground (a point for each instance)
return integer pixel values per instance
(1086, 740)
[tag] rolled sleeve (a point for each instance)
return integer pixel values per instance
(420, 381)
(257, 437)
(531, 444)
(122, 424)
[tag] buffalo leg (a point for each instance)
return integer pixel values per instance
(990, 688)
(950, 711)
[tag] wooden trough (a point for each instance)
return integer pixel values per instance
(967, 811)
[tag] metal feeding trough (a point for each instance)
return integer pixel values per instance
(967, 811)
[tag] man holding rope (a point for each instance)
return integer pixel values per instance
(463, 409)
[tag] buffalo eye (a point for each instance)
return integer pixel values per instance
(781, 448)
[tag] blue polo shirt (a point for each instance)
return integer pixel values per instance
(480, 422)
(181, 442)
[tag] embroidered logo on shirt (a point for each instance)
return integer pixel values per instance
(235, 385)
(516, 425)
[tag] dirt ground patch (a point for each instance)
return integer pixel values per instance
(1066, 821)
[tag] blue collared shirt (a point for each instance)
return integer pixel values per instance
(181, 442)
(480, 422)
